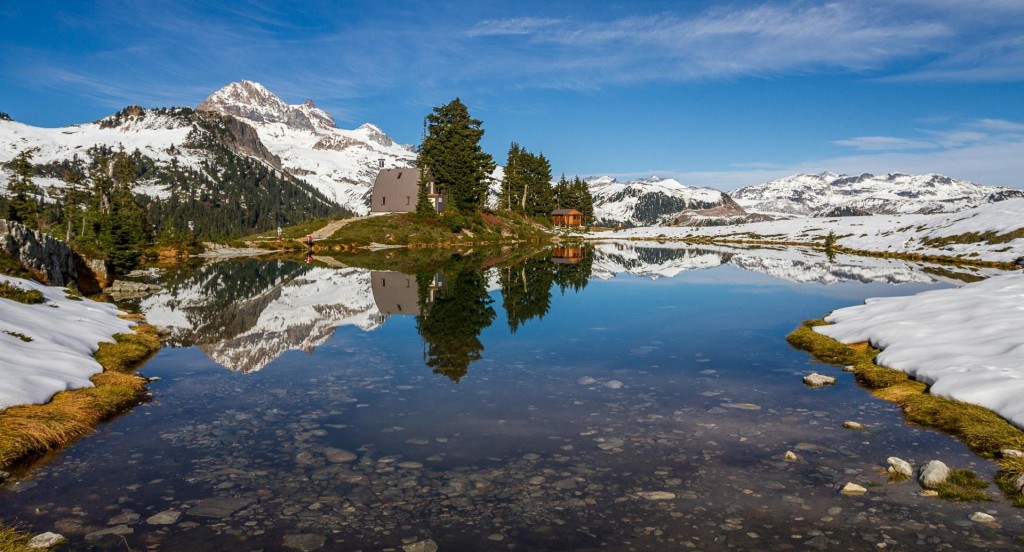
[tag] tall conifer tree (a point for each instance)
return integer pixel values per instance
(451, 151)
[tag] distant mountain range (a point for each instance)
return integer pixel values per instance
(309, 166)
(658, 202)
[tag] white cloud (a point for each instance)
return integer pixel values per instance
(995, 158)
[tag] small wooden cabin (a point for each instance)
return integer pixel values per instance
(567, 217)
(396, 190)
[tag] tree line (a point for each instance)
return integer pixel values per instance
(451, 157)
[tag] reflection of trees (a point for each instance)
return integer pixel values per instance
(455, 306)
(526, 290)
(526, 287)
(451, 324)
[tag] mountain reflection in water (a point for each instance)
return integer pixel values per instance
(245, 313)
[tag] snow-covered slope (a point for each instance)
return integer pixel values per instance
(611, 259)
(991, 232)
(810, 194)
(47, 348)
(648, 202)
(342, 164)
(159, 135)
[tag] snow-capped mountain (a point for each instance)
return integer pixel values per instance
(829, 193)
(653, 201)
(341, 164)
(651, 261)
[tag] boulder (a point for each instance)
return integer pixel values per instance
(933, 474)
(853, 488)
(50, 259)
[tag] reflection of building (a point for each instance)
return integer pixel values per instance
(396, 190)
(567, 255)
(566, 217)
(398, 293)
(395, 293)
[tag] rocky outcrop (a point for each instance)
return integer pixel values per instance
(48, 258)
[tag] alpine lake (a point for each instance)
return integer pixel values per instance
(613, 396)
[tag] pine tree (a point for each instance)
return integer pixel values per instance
(24, 195)
(451, 152)
(526, 187)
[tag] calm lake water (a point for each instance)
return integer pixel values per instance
(616, 397)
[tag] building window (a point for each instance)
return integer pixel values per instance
(383, 200)
(407, 199)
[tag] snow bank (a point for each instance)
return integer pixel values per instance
(967, 343)
(64, 333)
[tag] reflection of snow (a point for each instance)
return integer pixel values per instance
(299, 313)
(885, 233)
(966, 343)
(64, 335)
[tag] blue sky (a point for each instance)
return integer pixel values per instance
(713, 93)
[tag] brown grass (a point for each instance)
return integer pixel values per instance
(33, 429)
(11, 540)
(981, 429)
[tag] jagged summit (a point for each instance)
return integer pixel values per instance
(252, 101)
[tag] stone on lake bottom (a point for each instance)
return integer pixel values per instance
(46, 540)
(613, 384)
(930, 493)
(933, 474)
(586, 380)
(306, 542)
(117, 530)
(167, 517)
(853, 488)
(219, 507)
(900, 467)
(790, 456)
(421, 546)
(339, 456)
(853, 425)
(982, 517)
(656, 495)
(818, 380)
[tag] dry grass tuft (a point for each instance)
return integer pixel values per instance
(981, 429)
(13, 541)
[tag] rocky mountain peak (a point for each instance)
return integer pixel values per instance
(252, 101)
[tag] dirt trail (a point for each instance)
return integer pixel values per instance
(329, 230)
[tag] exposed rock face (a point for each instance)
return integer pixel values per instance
(250, 100)
(51, 259)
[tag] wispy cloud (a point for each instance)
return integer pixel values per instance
(992, 153)
(513, 26)
(883, 143)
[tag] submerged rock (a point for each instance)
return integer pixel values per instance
(46, 540)
(790, 456)
(306, 542)
(656, 495)
(818, 380)
(421, 546)
(982, 517)
(901, 467)
(853, 488)
(933, 474)
(853, 425)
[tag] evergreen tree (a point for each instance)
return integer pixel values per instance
(451, 152)
(24, 196)
(526, 187)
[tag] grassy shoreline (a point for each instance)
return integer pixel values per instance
(982, 430)
(32, 430)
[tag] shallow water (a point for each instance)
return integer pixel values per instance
(617, 398)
